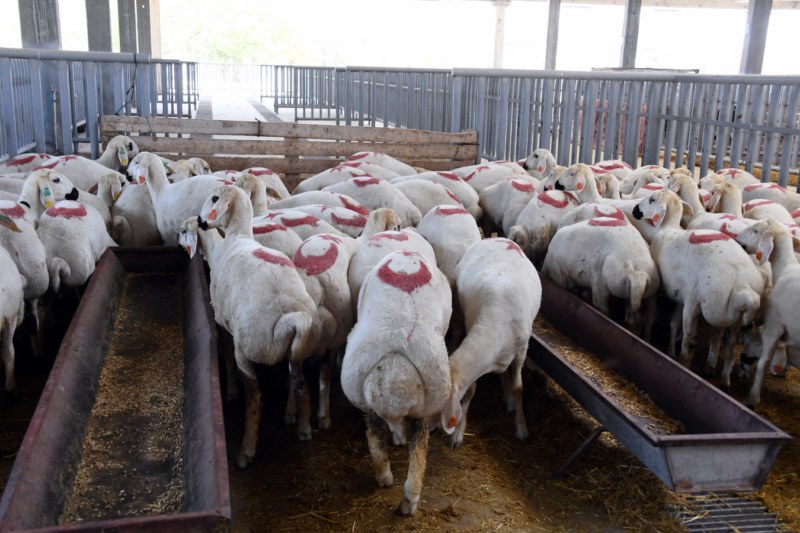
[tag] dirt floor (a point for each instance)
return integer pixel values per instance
(492, 482)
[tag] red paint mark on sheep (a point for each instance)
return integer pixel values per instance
(612, 166)
(756, 203)
(353, 206)
(366, 181)
(225, 182)
(452, 196)
(360, 155)
(391, 235)
(449, 176)
(403, 281)
(67, 212)
(514, 247)
(273, 215)
(795, 213)
(229, 171)
(523, 186)
(549, 198)
(269, 257)
(293, 222)
(357, 221)
(606, 221)
(609, 211)
(728, 216)
(726, 229)
(331, 238)
(268, 228)
(316, 264)
(448, 211)
(261, 172)
(13, 212)
(53, 164)
(729, 171)
(756, 186)
(653, 187)
(705, 238)
(597, 170)
(19, 160)
(469, 176)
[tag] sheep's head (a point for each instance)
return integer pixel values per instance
(541, 162)
(759, 238)
(217, 208)
(187, 236)
(180, 170)
(125, 148)
(145, 165)
(576, 178)
(656, 207)
(50, 187)
(721, 190)
(200, 166)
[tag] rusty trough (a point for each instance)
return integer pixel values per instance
(144, 292)
(726, 447)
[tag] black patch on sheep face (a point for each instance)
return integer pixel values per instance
(26, 204)
(72, 195)
(637, 213)
(202, 224)
(558, 186)
(214, 198)
(525, 166)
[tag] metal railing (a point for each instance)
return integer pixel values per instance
(52, 100)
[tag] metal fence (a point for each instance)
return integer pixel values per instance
(52, 100)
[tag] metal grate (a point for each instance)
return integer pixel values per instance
(727, 513)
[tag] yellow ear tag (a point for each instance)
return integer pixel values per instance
(452, 422)
(116, 195)
(212, 215)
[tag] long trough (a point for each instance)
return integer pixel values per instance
(724, 446)
(128, 433)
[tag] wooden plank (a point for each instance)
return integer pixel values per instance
(114, 124)
(302, 147)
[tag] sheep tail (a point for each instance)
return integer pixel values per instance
(304, 332)
(745, 302)
(637, 285)
(58, 269)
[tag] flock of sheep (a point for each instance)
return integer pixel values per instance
(388, 263)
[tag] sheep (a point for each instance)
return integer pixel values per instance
(273, 234)
(651, 173)
(41, 189)
(74, 238)
(173, 202)
(540, 164)
(537, 223)
(303, 224)
(374, 193)
(321, 197)
(685, 187)
(385, 161)
(485, 175)
(504, 201)
(609, 257)
(772, 242)
(261, 196)
(763, 209)
(465, 194)
(180, 170)
(259, 298)
(500, 294)
(23, 163)
(328, 177)
(771, 191)
(589, 211)
(343, 219)
(84, 173)
(12, 184)
(133, 218)
(616, 167)
(201, 166)
(738, 177)
(609, 185)
(426, 195)
(395, 365)
(371, 169)
(449, 233)
(706, 272)
(270, 179)
(12, 308)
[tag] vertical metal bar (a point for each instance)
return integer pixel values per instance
(754, 135)
(524, 136)
(712, 106)
(565, 133)
(37, 93)
(723, 131)
(776, 100)
(92, 108)
(455, 104)
(737, 129)
(671, 110)
(480, 115)
(537, 103)
(501, 117)
(548, 109)
(700, 95)
(575, 120)
(65, 107)
(633, 124)
(652, 139)
(589, 118)
(688, 89)
(789, 139)
(611, 135)
(9, 113)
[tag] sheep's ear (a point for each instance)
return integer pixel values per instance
(219, 207)
(122, 155)
(191, 243)
(714, 202)
(764, 249)
(273, 193)
(687, 209)
(796, 243)
(46, 196)
(580, 183)
(452, 413)
(142, 172)
(116, 189)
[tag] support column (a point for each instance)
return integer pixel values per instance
(98, 25)
(127, 25)
(755, 36)
(39, 24)
(630, 37)
(143, 26)
(499, 31)
(552, 34)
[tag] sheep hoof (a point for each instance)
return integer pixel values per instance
(386, 479)
(243, 460)
(456, 441)
(523, 435)
(289, 419)
(304, 434)
(406, 508)
(324, 422)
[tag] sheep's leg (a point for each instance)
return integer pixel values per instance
(37, 337)
(417, 456)
(229, 356)
(691, 312)
(252, 418)
(674, 328)
(769, 340)
(377, 439)
(290, 415)
(303, 400)
(728, 346)
(600, 294)
(516, 387)
(650, 309)
(714, 343)
(458, 434)
(508, 394)
(7, 339)
(325, 378)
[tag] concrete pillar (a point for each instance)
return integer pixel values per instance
(499, 31)
(126, 10)
(552, 34)
(755, 36)
(98, 25)
(630, 35)
(143, 26)
(39, 24)
(155, 28)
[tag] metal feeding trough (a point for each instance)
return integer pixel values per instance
(724, 446)
(88, 459)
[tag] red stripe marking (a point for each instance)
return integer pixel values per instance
(358, 208)
(351, 164)
(261, 172)
(360, 155)
(329, 237)
(449, 176)
(448, 211)
(728, 216)
(229, 171)
(451, 195)
(651, 167)
(726, 229)
(58, 160)
(611, 166)
(597, 170)
(756, 186)
(366, 181)
(469, 176)
(704, 238)
(293, 222)
(13, 212)
(268, 228)
(268, 257)
(547, 197)
(405, 282)
(729, 171)
(357, 221)
(316, 264)
(225, 182)
(653, 187)
(273, 215)
(795, 213)
(20, 160)
(391, 235)
(606, 221)
(609, 211)
(67, 212)
(514, 247)
(482, 168)
(756, 203)
(523, 186)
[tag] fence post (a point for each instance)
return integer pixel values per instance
(9, 112)
(65, 107)
(38, 111)
(92, 107)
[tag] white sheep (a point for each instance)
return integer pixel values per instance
(23, 163)
(180, 170)
(133, 218)
(303, 224)
(273, 234)
(201, 166)
(589, 211)
(321, 197)
(706, 272)
(395, 366)
(374, 193)
(538, 222)
(616, 167)
(738, 177)
(500, 294)
(12, 309)
(609, 185)
(465, 194)
(609, 257)
(426, 194)
(771, 191)
(173, 202)
(450, 231)
(261, 196)
(385, 161)
(763, 209)
(328, 177)
(486, 175)
(343, 219)
(772, 242)
(74, 237)
(371, 169)
(504, 201)
(259, 298)
(641, 176)
(118, 153)
(540, 164)
(686, 188)
(84, 173)
(269, 177)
